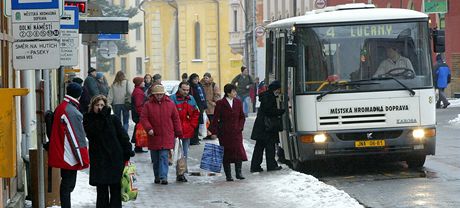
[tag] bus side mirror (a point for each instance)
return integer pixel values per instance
(439, 41)
(290, 57)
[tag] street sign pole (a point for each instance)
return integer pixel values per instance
(36, 38)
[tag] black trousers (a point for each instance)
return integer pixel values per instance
(68, 181)
(196, 140)
(104, 200)
(257, 156)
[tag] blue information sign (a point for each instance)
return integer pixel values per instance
(34, 4)
(70, 18)
(109, 37)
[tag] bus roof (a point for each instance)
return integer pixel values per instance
(350, 14)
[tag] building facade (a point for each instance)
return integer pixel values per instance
(190, 36)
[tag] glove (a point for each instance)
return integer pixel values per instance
(128, 155)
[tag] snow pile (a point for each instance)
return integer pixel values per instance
(454, 103)
(455, 121)
(307, 191)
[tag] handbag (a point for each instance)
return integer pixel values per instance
(213, 156)
(181, 163)
(127, 98)
(141, 136)
(129, 190)
(272, 124)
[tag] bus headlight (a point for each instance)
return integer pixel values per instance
(320, 138)
(418, 133)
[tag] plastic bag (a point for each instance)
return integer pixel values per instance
(141, 136)
(213, 156)
(129, 190)
(202, 128)
(181, 162)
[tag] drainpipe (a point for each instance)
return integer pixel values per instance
(173, 4)
(218, 42)
(145, 33)
(27, 110)
(41, 100)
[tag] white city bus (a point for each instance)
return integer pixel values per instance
(338, 105)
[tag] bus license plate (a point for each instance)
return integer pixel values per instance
(370, 143)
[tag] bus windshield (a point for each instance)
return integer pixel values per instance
(332, 56)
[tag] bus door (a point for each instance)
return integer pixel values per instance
(285, 74)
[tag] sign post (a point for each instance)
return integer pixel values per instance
(435, 6)
(69, 36)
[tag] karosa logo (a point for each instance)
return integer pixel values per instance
(406, 121)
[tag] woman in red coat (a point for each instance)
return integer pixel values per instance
(227, 125)
(161, 121)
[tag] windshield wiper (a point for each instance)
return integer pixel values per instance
(338, 85)
(411, 91)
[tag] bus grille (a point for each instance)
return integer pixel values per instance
(379, 135)
(352, 119)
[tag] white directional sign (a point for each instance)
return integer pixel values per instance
(40, 24)
(36, 55)
(69, 56)
(69, 37)
(36, 34)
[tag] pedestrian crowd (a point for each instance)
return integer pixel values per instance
(196, 109)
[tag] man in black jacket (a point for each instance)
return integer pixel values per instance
(266, 128)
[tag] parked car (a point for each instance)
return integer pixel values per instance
(171, 86)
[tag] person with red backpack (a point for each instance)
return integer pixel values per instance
(188, 114)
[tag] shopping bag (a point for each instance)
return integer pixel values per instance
(202, 128)
(181, 163)
(212, 158)
(141, 136)
(129, 190)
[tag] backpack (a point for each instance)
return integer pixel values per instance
(49, 118)
(84, 100)
(134, 115)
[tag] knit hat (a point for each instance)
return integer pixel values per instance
(99, 75)
(91, 70)
(274, 85)
(77, 80)
(138, 81)
(74, 90)
(158, 89)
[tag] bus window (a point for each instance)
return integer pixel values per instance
(354, 52)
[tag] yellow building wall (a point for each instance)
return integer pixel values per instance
(160, 40)
(205, 12)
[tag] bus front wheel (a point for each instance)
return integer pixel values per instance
(416, 161)
(301, 166)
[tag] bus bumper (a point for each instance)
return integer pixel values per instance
(398, 148)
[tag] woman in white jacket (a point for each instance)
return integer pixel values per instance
(120, 98)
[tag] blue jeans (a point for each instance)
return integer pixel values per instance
(246, 100)
(118, 109)
(185, 147)
(160, 163)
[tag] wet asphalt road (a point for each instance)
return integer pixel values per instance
(391, 184)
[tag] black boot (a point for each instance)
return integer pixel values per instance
(228, 171)
(238, 170)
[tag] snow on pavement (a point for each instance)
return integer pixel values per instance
(284, 188)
